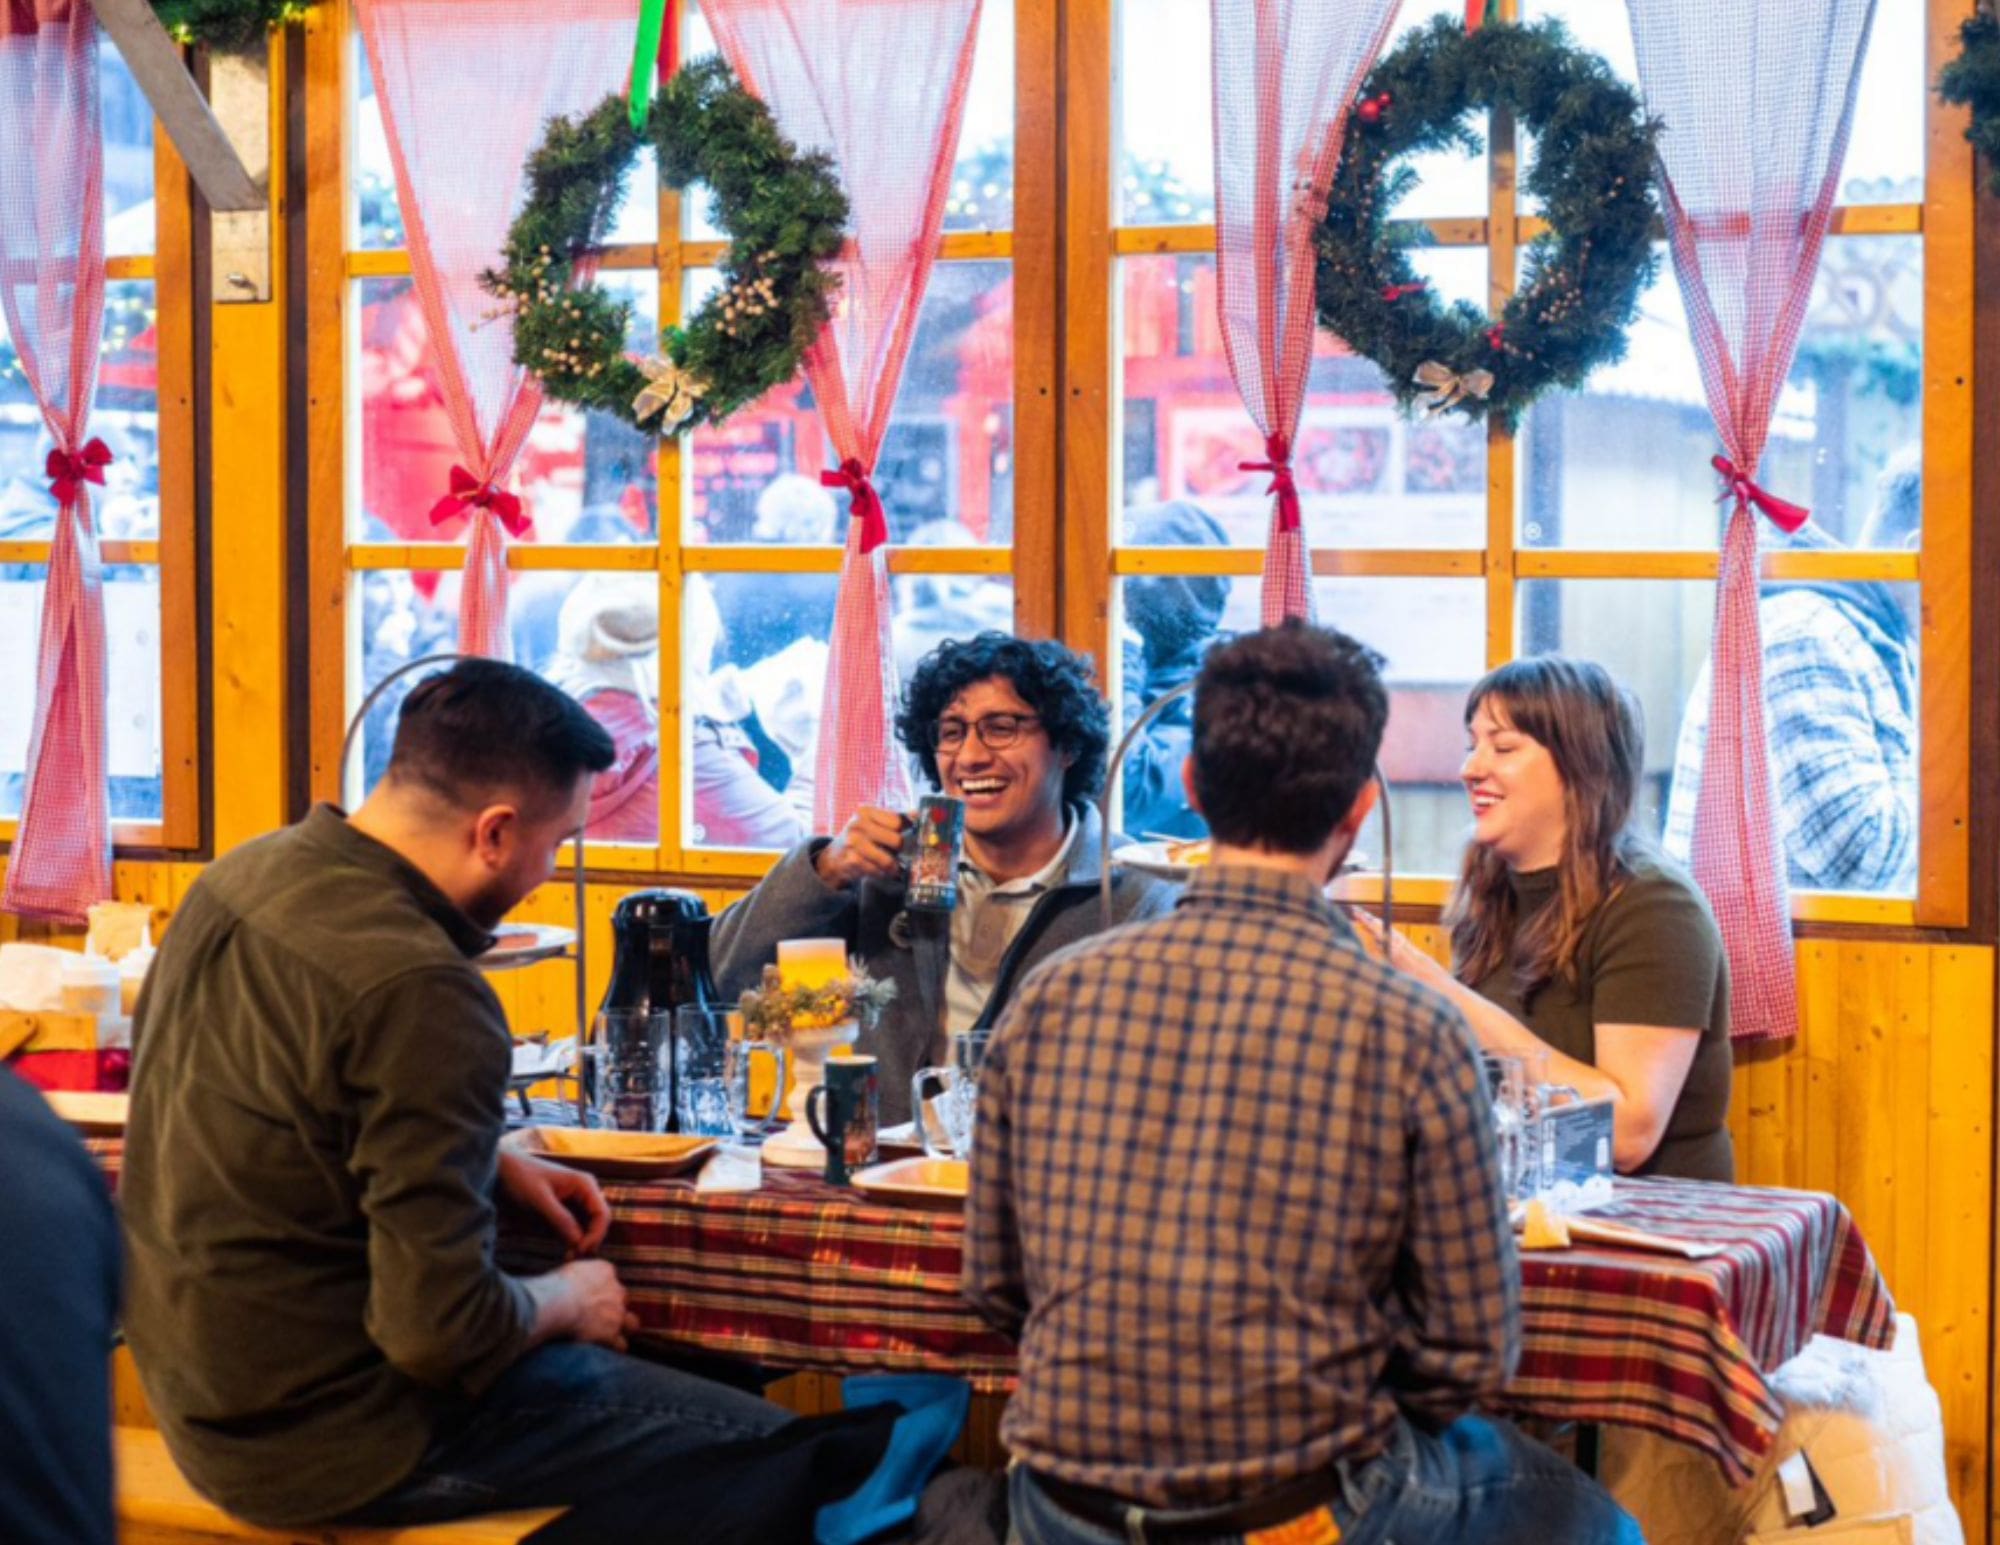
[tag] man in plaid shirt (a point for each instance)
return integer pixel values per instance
(1236, 1190)
(1840, 704)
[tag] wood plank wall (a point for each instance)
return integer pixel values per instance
(1886, 1099)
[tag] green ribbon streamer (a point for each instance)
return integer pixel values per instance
(646, 59)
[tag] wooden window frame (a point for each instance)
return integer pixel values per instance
(169, 268)
(334, 563)
(1090, 431)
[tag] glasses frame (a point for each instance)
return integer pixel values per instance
(983, 728)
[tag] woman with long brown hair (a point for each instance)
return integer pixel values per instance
(1571, 935)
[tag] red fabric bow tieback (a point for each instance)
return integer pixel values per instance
(852, 476)
(1785, 515)
(1278, 451)
(467, 492)
(68, 471)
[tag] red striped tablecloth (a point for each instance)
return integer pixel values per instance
(803, 1275)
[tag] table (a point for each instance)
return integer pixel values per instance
(802, 1275)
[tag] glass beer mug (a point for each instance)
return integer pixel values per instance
(945, 1100)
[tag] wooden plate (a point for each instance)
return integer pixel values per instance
(88, 1111)
(934, 1183)
(617, 1155)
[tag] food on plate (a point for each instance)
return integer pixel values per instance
(1191, 855)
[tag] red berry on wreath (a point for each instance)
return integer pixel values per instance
(1496, 335)
(1371, 111)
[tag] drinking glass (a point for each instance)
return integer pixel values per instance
(945, 1100)
(625, 1071)
(701, 1075)
(1507, 1087)
(753, 1097)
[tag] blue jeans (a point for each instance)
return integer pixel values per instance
(565, 1421)
(1478, 1482)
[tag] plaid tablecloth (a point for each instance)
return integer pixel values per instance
(1681, 1347)
(803, 1275)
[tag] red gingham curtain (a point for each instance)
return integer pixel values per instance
(880, 86)
(52, 289)
(1756, 100)
(465, 88)
(1285, 76)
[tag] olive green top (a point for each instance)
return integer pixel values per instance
(309, 1172)
(1651, 956)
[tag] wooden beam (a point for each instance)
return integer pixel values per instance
(156, 64)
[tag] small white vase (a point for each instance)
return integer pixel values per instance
(796, 1145)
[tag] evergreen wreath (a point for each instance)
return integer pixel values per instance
(784, 213)
(1973, 80)
(1592, 172)
(226, 23)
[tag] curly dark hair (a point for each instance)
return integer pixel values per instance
(1052, 680)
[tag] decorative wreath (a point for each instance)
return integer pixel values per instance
(1973, 80)
(1592, 173)
(784, 213)
(226, 23)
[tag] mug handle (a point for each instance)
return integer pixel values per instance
(817, 1115)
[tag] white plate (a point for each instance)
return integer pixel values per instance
(1151, 858)
(938, 1183)
(522, 944)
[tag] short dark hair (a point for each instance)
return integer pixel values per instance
(1052, 680)
(1287, 722)
(484, 728)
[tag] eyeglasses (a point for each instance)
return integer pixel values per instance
(997, 731)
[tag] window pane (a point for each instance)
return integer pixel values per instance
(1368, 475)
(982, 178)
(1625, 462)
(585, 477)
(126, 416)
(595, 635)
(946, 473)
(128, 156)
(377, 220)
(1166, 128)
(1841, 693)
(1166, 123)
(1433, 635)
(132, 681)
(1885, 147)
(756, 651)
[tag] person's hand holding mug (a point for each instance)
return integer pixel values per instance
(870, 846)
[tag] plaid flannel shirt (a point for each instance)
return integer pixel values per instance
(1839, 707)
(1236, 1193)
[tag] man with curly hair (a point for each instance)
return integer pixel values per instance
(1014, 728)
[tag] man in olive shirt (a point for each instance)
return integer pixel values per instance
(314, 1156)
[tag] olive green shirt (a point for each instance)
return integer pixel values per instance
(309, 1174)
(1651, 956)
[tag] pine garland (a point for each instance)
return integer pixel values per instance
(783, 212)
(1973, 80)
(1592, 172)
(226, 23)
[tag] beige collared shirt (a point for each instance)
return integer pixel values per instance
(987, 919)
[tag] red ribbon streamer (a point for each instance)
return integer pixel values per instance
(1475, 13)
(867, 509)
(68, 471)
(1278, 450)
(1785, 515)
(467, 492)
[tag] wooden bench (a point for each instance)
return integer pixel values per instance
(157, 1506)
